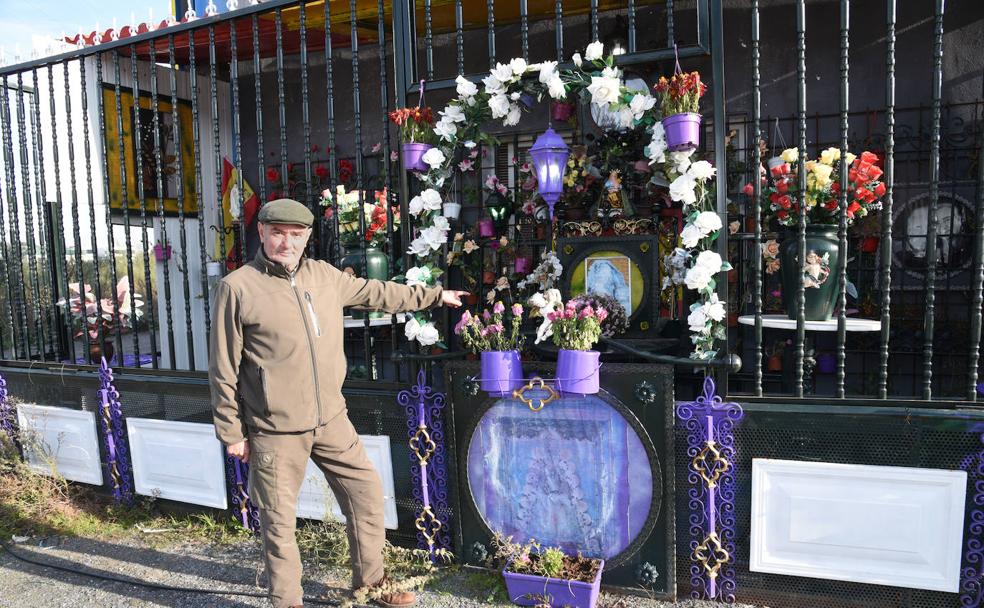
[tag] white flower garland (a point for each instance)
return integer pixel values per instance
(503, 95)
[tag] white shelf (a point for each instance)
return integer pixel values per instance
(351, 323)
(784, 322)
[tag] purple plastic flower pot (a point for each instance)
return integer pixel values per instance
(486, 228)
(578, 371)
(528, 590)
(522, 265)
(501, 372)
(682, 131)
(413, 156)
(561, 111)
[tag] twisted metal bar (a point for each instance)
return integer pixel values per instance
(801, 174)
(757, 193)
(845, 25)
(889, 176)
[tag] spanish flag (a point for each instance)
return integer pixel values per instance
(232, 214)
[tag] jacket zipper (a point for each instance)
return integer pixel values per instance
(307, 331)
(314, 315)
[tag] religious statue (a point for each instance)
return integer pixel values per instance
(614, 202)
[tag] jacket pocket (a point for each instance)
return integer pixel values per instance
(263, 480)
(265, 392)
(312, 314)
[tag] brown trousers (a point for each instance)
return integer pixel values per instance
(277, 463)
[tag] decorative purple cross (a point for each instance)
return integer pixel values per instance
(428, 469)
(237, 479)
(711, 447)
(971, 589)
(111, 423)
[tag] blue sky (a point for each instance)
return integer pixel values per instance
(27, 22)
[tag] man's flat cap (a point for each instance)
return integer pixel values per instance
(286, 211)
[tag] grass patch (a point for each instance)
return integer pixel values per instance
(486, 586)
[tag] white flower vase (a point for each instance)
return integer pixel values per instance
(452, 210)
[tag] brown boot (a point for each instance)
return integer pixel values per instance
(397, 599)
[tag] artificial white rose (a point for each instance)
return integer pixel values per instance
(514, 96)
(641, 103)
(625, 118)
(697, 278)
(714, 308)
(453, 113)
(594, 51)
(697, 320)
(611, 72)
(707, 222)
(470, 144)
(493, 85)
(709, 261)
(681, 160)
(518, 66)
(411, 329)
(441, 223)
(428, 334)
(556, 88)
(432, 200)
(701, 170)
(683, 189)
(418, 276)
(604, 91)
(416, 205)
(445, 129)
(547, 71)
(465, 88)
(419, 247)
(513, 117)
(576, 58)
(502, 72)
(434, 157)
(434, 237)
(656, 150)
(690, 236)
(500, 106)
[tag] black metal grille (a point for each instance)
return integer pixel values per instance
(895, 438)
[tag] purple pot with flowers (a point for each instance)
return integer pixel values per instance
(529, 590)
(502, 372)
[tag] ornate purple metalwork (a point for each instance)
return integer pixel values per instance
(114, 435)
(428, 470)
(711, 449)
(8, 417)
(237, 479)
(971, 589)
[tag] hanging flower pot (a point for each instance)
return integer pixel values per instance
(452, 210)
(682, 131)
(501, 372)
(820, 287)
(775, 161)
(413, 156)
(162, 253)
(486, 228)
(561, 111)
(578, 371)
(774, 363)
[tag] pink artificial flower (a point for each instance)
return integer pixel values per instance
(496, 328)
(466, 319)
(394, 156)
(486, 315)
(501, 189)
(465, 165)
(517, 309)
(570, 305)
(586, 312)
(498, 308)
(602, 314)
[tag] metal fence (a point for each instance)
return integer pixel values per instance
(114, 166)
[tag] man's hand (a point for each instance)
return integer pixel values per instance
(239, 450)
(452, 298)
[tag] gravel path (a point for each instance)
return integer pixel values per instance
(198, 566)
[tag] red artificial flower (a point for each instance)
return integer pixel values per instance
(830, 205)
(782, 186)
(748, 189)
(835, 187)
(782, 215)
(273, 195)
(329, 212)
(852, 209)
(314, 147)
(784, 201)
(321, 171)
(780, 170)
(272, 175)
(774, 197)
(869, 157)
(880, 189)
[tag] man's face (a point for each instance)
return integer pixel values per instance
(284, 243)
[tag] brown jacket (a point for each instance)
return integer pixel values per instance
(276, 361)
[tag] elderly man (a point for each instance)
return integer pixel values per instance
(276, 369)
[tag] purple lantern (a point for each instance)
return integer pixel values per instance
(550, 155)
